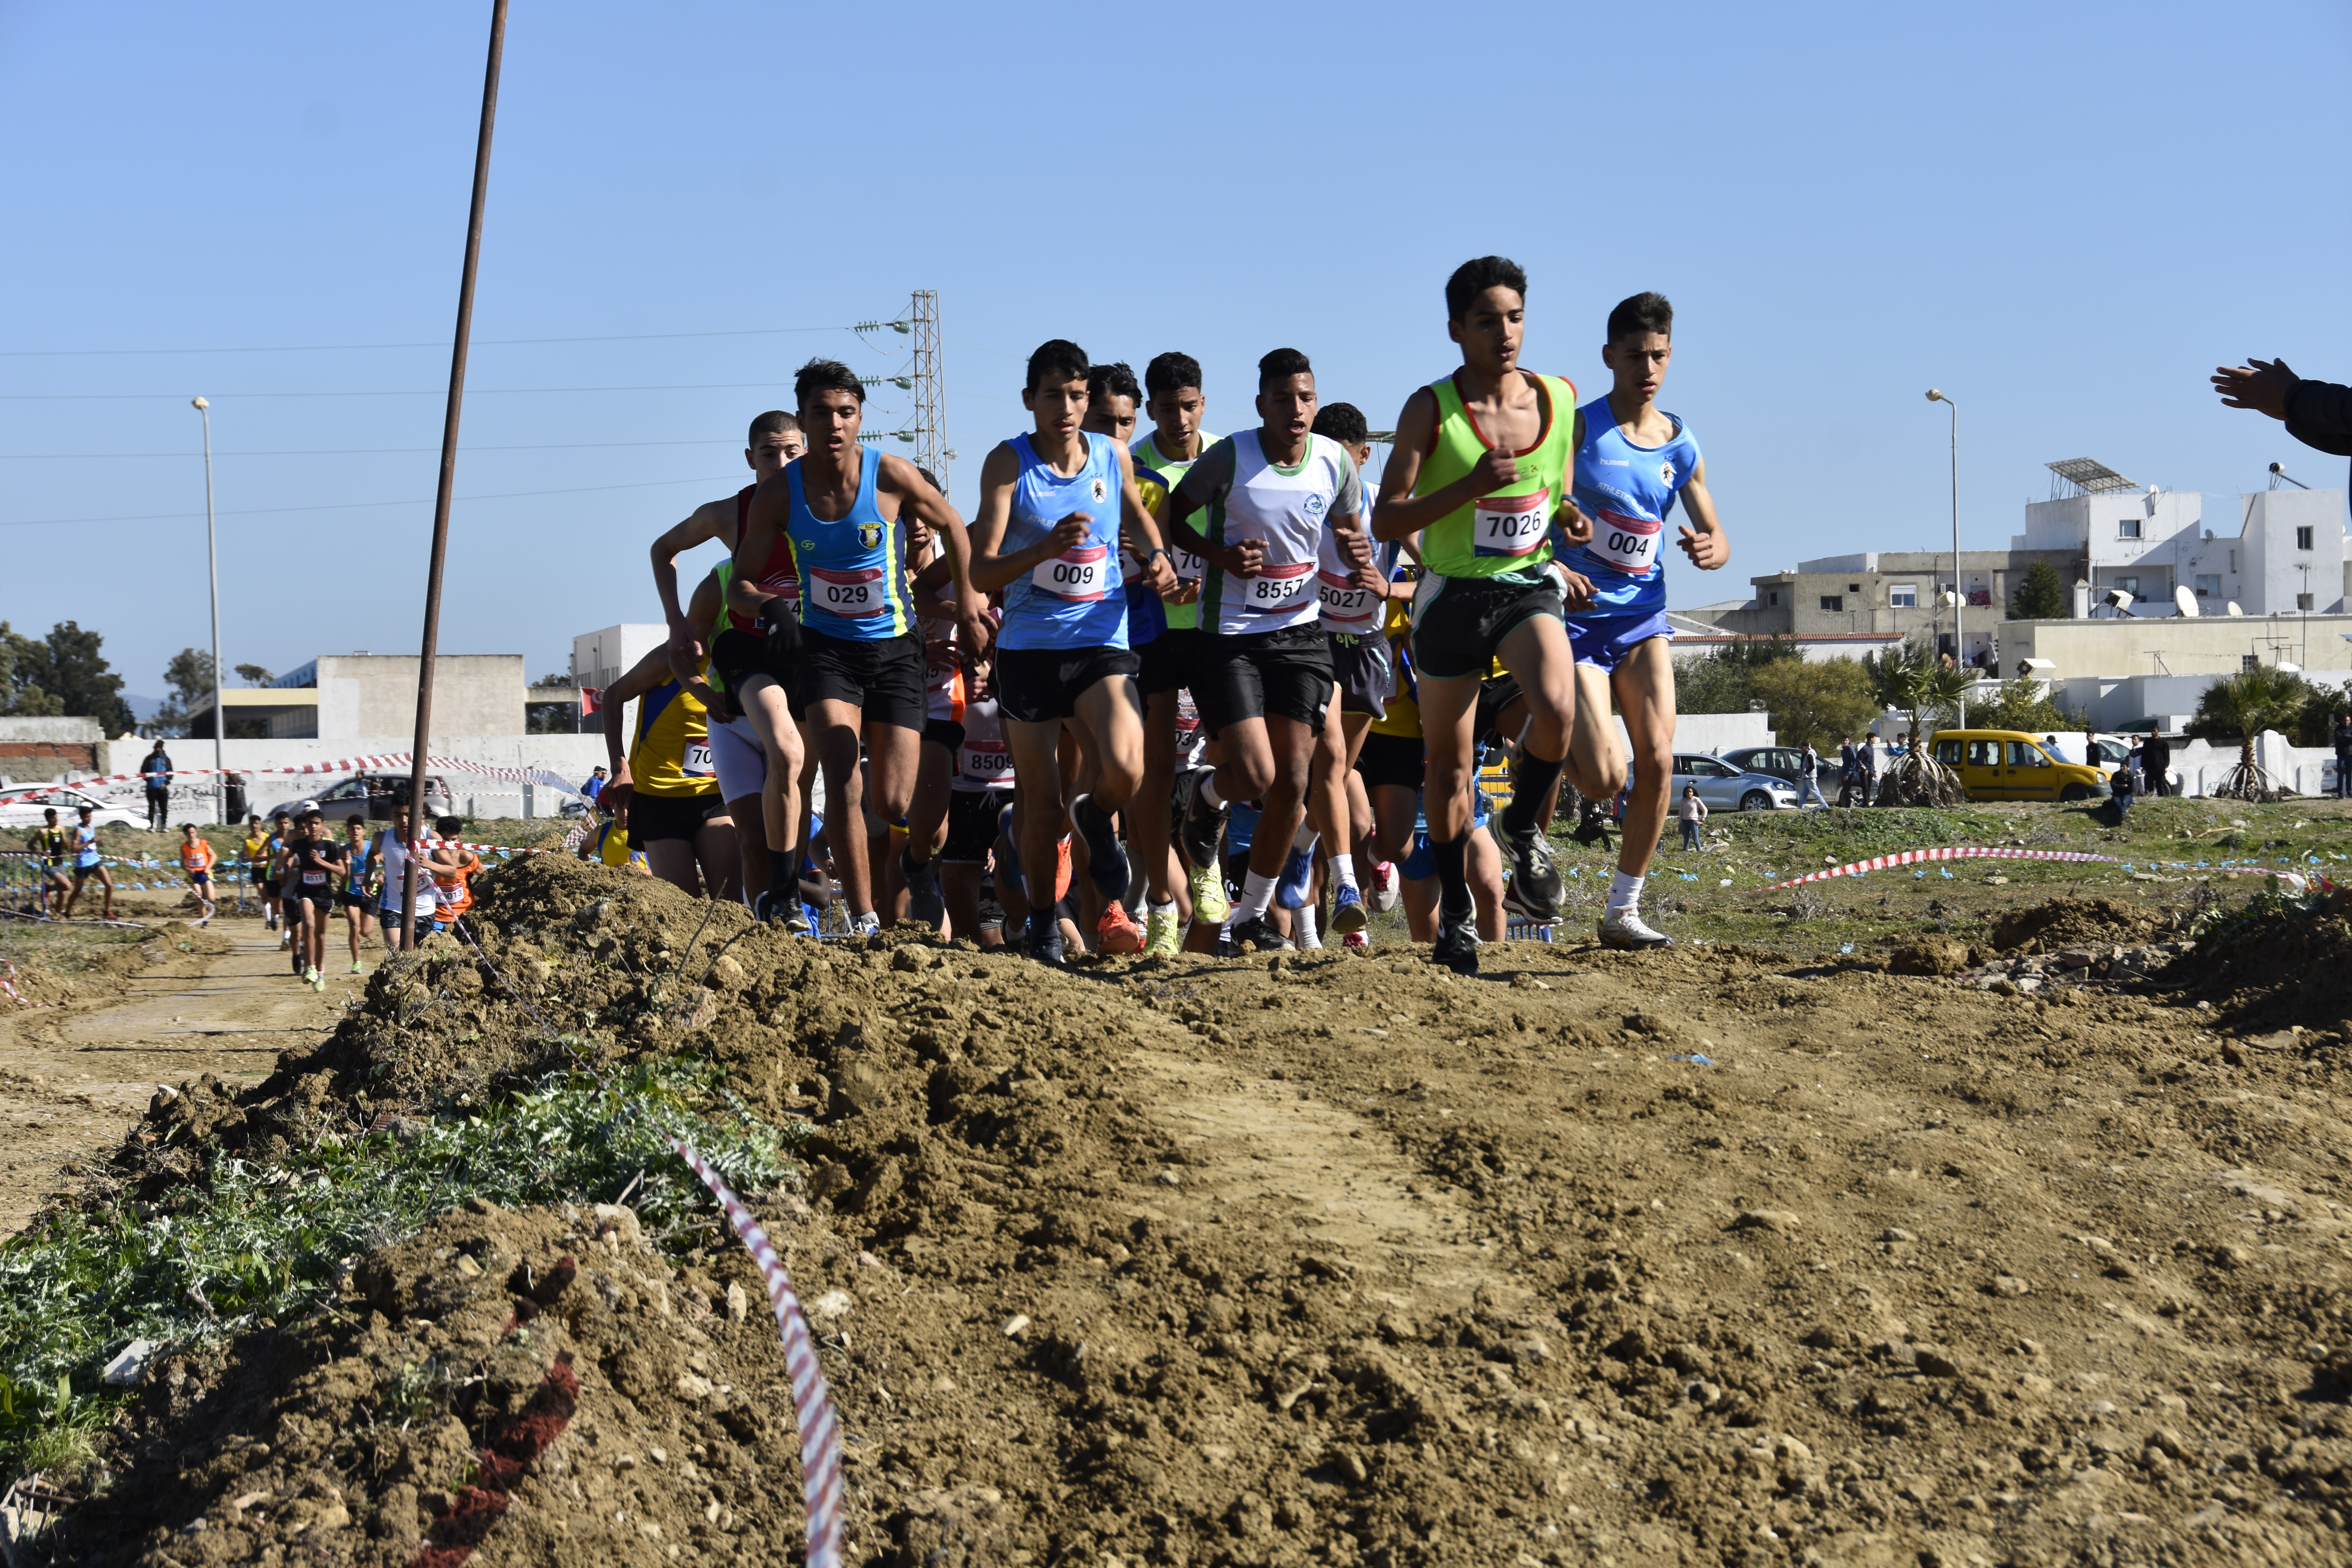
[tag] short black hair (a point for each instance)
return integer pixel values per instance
(1113, 380)
(930, 478)
(1473, 278)
(827, 375)
(1056, 360)
(51, 812)
(774, 422)
(1343, 421)
(358, 820)
(449, 825)
(1170, 371)
(1647, 311)
(1281, 365)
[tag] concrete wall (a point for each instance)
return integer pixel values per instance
(1714, 732)
(376, 694)
(49, 748)
(2174, 645)
(2279, 573)
(567, 757)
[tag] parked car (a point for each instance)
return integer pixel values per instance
(1723, 786)
(2009, 764)
(373, 794)
(26, 810)
(1786, 763)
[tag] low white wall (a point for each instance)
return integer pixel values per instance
(1717, 732)
(569, 757)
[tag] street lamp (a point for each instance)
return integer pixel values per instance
(212, 554)
(1960, 643)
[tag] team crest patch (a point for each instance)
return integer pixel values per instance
(1313, 507)
(1101, 490)
(869, 535)
(1667, 474)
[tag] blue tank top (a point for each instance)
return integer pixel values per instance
(1628, 491)
(1074, 600)
(355, 877)
(853, 571)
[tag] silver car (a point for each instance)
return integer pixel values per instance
(1728, 788)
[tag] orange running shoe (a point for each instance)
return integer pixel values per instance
(1117, 931)
(1062, 870)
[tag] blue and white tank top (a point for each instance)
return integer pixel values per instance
(1075, 599)
(853, 570)
(1628, 491)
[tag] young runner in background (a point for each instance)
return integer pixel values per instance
(1632, 461)
(1273, 497)
(358, 895)
(1480, 470)
(257, 867)
(314, 867)
(88, 863)
(391, 858)
(197, 857)
(53, 847)
(859, 670)
(453, 865)
(776, 440)
(980, 791)
(912, 873)
(676, 815)
(1052, 503)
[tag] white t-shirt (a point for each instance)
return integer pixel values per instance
(1291, 509)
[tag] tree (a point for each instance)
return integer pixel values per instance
(2023, 705)
(254, 674)
(2244, 705)
(1911, 679)
(1723, 681)
(2041, 597)
(188, 684)
(1820, 703)
(21, 661)
(67, 665)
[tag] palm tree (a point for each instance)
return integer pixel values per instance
(1913, 679)
(2246, 704)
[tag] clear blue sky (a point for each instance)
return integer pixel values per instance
(2064, 215)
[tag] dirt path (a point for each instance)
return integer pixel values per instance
(72, 1076)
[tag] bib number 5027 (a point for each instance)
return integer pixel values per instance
(1510, 525)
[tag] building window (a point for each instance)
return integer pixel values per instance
(1853, 587)
(1773, 598)
(1833, 602)
(2126, 527)
(2249, 661)
(2303, 601)
(2209, 587)
(1904, 596)
(2233, 562)
(2302, 539)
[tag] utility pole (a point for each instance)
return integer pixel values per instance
(930, 392)
(212, 557)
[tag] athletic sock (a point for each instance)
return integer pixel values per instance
(1625, 894)
(1209, 791)
(1452, 858)
(1304, 838)
(1257, 891)
(781, 873)
(1303, 921)
(1084, 808)
(1530, 790)
(1343, 867)
(1168, 909)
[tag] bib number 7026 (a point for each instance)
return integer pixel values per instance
(1510, 525)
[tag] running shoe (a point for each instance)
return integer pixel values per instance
(1457, 945)
(1291, 890)
(1008, 862)
(1199, 831)
(1627, 932)
(1106, 859)
(355, 966)
(1117, 930)
(1535, 887)
(1386, 885)
(1209, 902)
(285, 937)
(1348, 916)
(867, 924)
(310, 978)
(1046, 937)
(1259, 934)
(1163, 937)
(1357, 942)
(924, 902)
(773, 905)
(1591, 827)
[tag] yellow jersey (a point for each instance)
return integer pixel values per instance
(670, 757)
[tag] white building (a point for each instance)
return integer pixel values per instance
(601, 658)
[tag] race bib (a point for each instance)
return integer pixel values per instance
(698, 764)
(1346, 607)
(1083, 575)
(1280, 589)
(1509, 525)
(850, 595)
(1628, 544)
(314, 877)
(1189, 568)
(984, 761)
(785, 586)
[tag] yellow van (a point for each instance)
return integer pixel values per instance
(2009, 764)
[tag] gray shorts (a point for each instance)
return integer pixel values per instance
(1365, 672)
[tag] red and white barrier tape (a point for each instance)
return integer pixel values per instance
(820, 1429)
(339, 765)
(1949, 852)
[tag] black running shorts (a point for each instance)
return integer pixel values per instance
(1039, 685)
(737, 656)
(1365, 672)
(971, 825)
(1285, 674)
(884, 676)
(1459, 624)
(1167, 660)
(944, 732)
(1394, 760)
(655, 816)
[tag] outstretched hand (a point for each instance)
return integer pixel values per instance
(2261, 385)
(1706, 550)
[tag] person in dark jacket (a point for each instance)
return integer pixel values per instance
(2317, 413)
(2343, 740)
(2155, 761)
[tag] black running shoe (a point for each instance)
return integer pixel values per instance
(924, 902)
(1457, 945)
(1535, 885)
(1203, 823)
(1260, 934)
(1045, 938)
(1106, 859)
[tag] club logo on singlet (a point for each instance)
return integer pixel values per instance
(869, 536)
(1667, 474)
(1313, 507)
(1101, 491)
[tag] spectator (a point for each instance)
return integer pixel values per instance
(2317, 413)
(2091, 758)
(2156, 763)
(1809, 762)
(2343, 739)
(2132, 764)
(1849, 771)
(594, 787)
(1692, 811)
(2121, 784)
(157, 771)
(1874, 767)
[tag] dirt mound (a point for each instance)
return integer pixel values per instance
(2077, 922)
(2285, 961)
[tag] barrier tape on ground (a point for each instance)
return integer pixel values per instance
(340, 765)
(1948, 852)
(819, 1430)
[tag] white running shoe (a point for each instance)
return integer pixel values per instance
(1628, 932)
(868, 924)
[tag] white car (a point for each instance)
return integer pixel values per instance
(28, 810)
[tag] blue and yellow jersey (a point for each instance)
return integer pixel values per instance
(853, 571)
(671, 754)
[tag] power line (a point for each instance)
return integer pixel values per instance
(367, 451)
(417, 392)
(481, 343)
(358, 505)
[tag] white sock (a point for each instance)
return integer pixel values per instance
(1303, 838)
(1303, 921)
(1344, 867)
(1209, 791)
(1624, 894)
(1168, 909)
(1257, 891)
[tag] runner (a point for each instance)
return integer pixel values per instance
(197, 857)
(776, 440)
(88, 863)
(314, 869)
(669, 781)
(257, 869)
(391, 857)
(1480, 470)
(1172, 384)
(454, 866)
(286, 831)
(978, 795)
(52, 846)
(858, 665)
(1274, 497)
(1632, 460)
(912, 878)
(1052, 502)
(358, 894)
